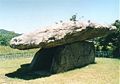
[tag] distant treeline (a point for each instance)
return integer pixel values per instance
(109, 43)
(6, 36)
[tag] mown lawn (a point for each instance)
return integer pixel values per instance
(8, 53)
(8, 50)
(105, 71)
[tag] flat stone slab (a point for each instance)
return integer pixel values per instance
(60, 34)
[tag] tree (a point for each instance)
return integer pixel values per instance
(116, 39)
(117, 24)
(112, 40)
(6, 36)
(73, 18)
(3, 41)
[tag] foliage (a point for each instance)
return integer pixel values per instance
(117, 24)
(73, 18)
(112, 40)
(6, 36)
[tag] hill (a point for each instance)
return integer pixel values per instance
(6, 36)
(4, 32)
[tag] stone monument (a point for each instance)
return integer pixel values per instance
(63, 46)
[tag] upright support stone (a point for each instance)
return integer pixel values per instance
(63, 58)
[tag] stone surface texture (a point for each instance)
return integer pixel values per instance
(63, 58)
(60, 34)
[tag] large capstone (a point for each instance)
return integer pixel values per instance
(63, 58)
(60, 34)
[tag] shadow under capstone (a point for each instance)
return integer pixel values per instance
(25, 74)
(56, 60)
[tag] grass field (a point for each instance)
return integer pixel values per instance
(105, 71)
(8, 53)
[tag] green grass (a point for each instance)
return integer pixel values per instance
(8, 50)
(7, 53)
(105, 71)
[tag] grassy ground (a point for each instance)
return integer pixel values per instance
(8, 50)
(105, 71)
(8, 53)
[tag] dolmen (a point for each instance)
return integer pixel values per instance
(63, 46)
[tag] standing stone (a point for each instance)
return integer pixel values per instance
(63, 58)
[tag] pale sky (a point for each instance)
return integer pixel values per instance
(27, 15)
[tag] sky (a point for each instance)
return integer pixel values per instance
(28, 15)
